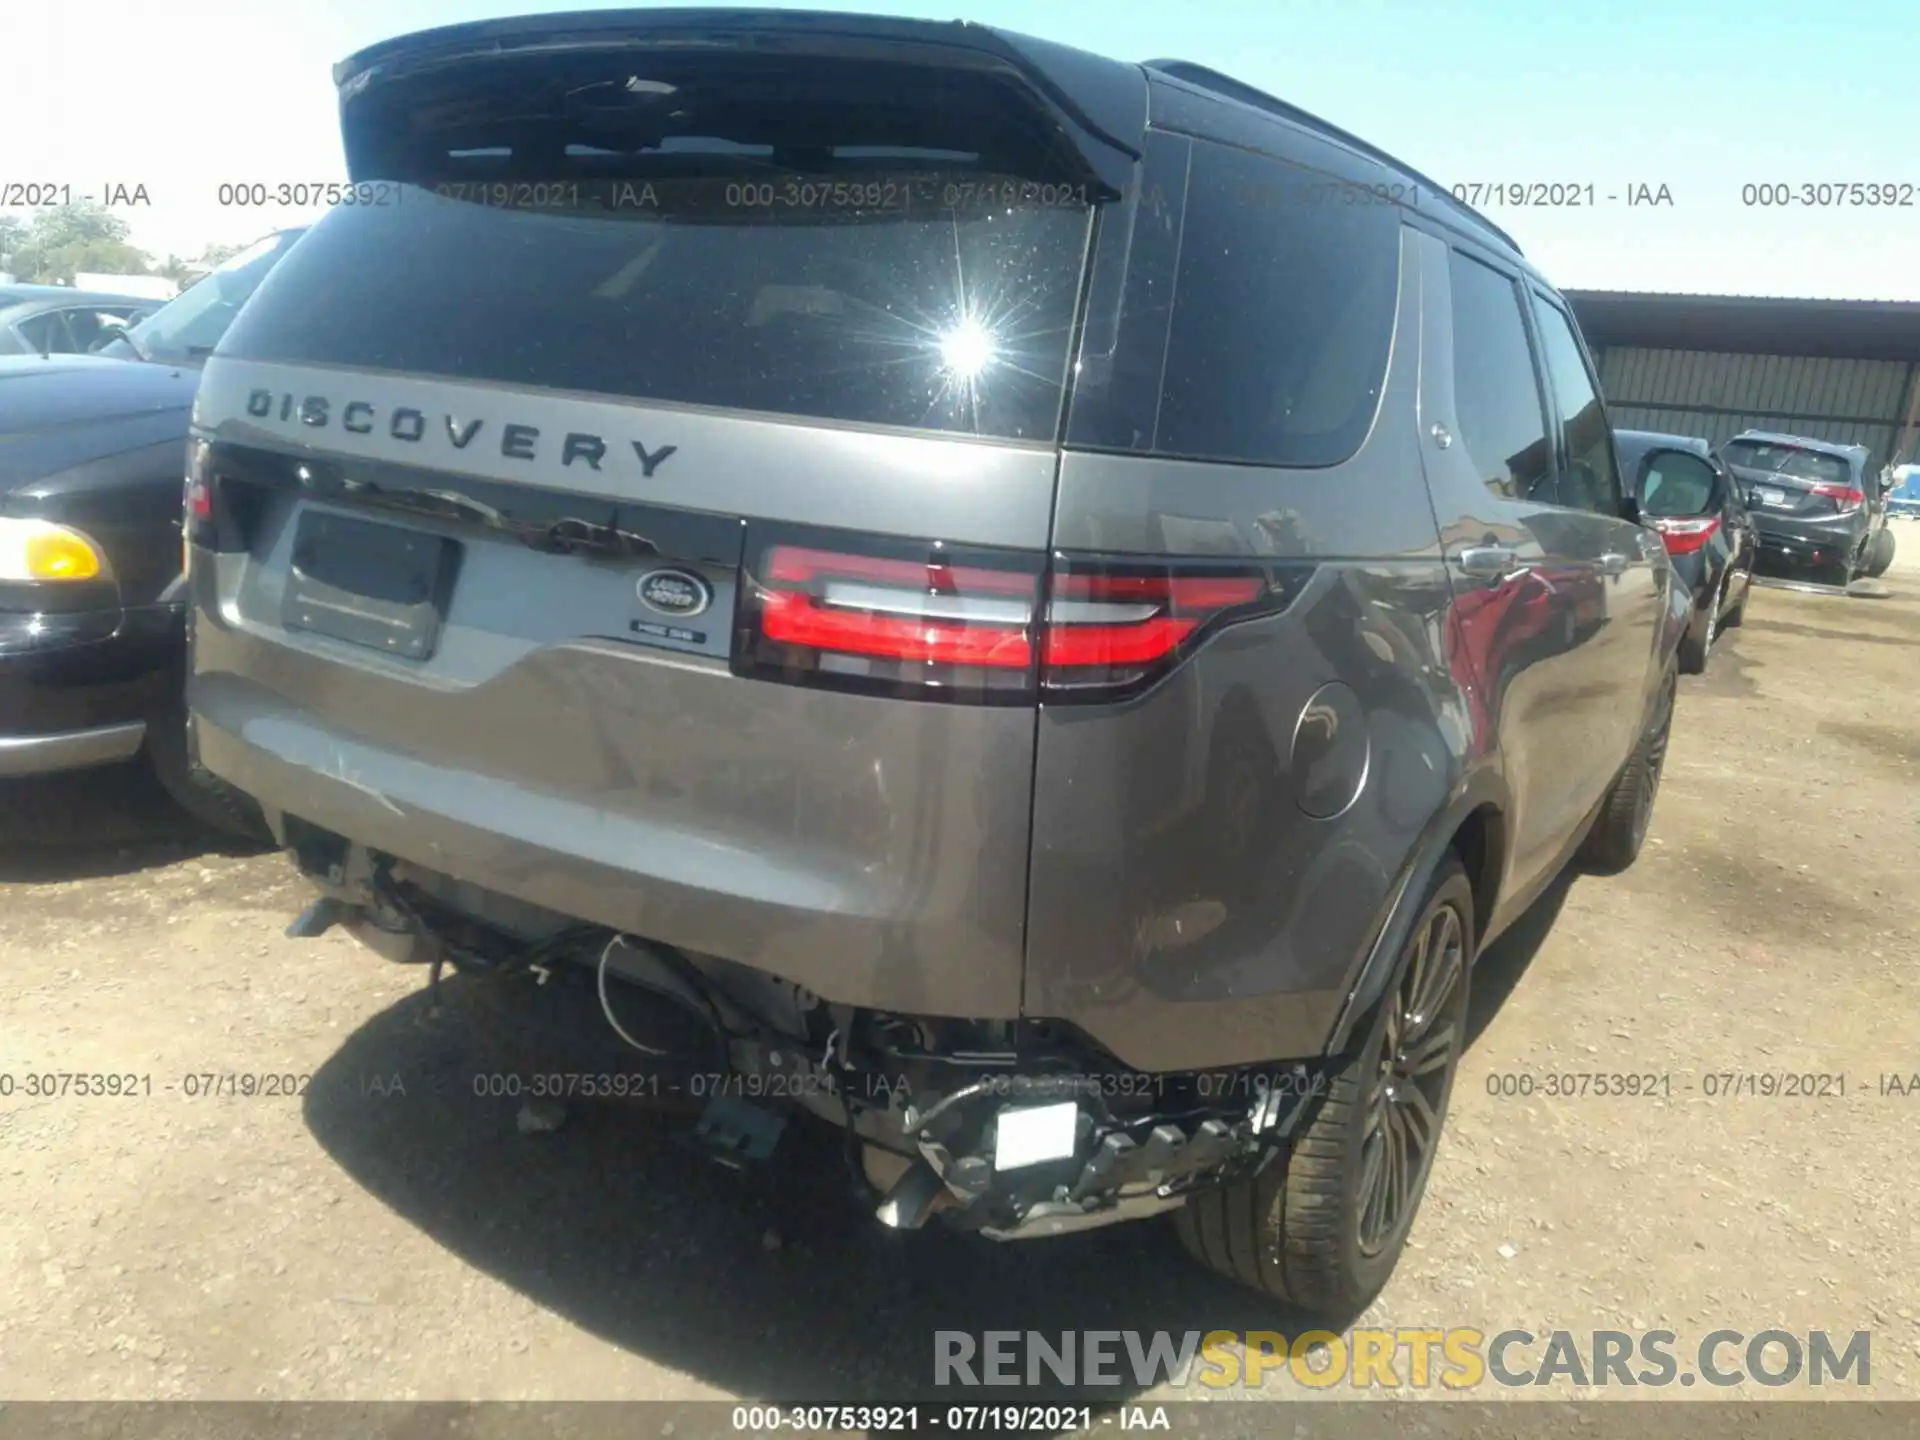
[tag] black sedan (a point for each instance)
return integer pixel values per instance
(55, 320)
(1690, 497)
(92, 621)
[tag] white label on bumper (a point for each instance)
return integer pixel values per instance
(1035, 1135)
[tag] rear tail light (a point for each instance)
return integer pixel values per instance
(928, 621)
(1111, 628)
(923, 619)
(1684, 536)
(1845, 498)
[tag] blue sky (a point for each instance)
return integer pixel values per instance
(1700, 97)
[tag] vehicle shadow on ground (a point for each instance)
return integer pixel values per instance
(1827, 632)
(92, 824)
(778, 1286)
(1505, 961)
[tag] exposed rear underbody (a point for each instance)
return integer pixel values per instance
(1012, 1128)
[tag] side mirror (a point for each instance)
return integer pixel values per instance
(1630, 508)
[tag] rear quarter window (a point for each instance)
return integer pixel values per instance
(1273, 347)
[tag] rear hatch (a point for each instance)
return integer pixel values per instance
(637, 501)
(1782, 480)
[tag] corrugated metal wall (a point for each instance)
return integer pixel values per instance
(1714, 395)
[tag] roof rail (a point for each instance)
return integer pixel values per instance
(1210, 79)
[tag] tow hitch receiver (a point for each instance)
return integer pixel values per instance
(736, 1133)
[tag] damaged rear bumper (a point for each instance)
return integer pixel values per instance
(1012, 1129)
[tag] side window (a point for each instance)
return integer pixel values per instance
(46, 333)
(1592, 479)
(1283, 309)
(1496, 394)
(1676, 484)
(83, 328)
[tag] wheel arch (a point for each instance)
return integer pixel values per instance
(1473, 829)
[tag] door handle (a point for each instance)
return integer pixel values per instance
(1487, 562)
(1614, 564)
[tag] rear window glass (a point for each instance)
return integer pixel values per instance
(915, 299)
(1788, 460)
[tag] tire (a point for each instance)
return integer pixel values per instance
(1697, 651)
(197, 790)
(1879, 553)
(1315, 1228)
(1620, 829)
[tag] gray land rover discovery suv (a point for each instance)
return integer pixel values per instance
(1042, 610)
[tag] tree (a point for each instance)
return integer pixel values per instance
(216, 255)
(184, 272)
(59, 242)
(11, 227)
(181, 272)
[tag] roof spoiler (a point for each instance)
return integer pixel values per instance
(1090, 97)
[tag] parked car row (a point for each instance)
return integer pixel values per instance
(1777, 503)
(1072, 701)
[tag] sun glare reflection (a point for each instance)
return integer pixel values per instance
(978, 341)
(967, 348)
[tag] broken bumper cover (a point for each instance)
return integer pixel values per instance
(1011, 1129)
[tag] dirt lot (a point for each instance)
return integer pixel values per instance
(358, 1242)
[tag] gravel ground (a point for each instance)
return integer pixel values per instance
(356, 1242)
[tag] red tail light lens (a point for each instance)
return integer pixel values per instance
(1844, 497)
(1110, 630)
(924, 621)
(1685, 536)
(899, 619)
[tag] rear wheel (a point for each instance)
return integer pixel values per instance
(1323, 1224)
(1879, 553)
(1621, 827)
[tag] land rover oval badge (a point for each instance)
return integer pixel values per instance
(678, 593)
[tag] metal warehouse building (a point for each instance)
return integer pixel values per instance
(1714, 365)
